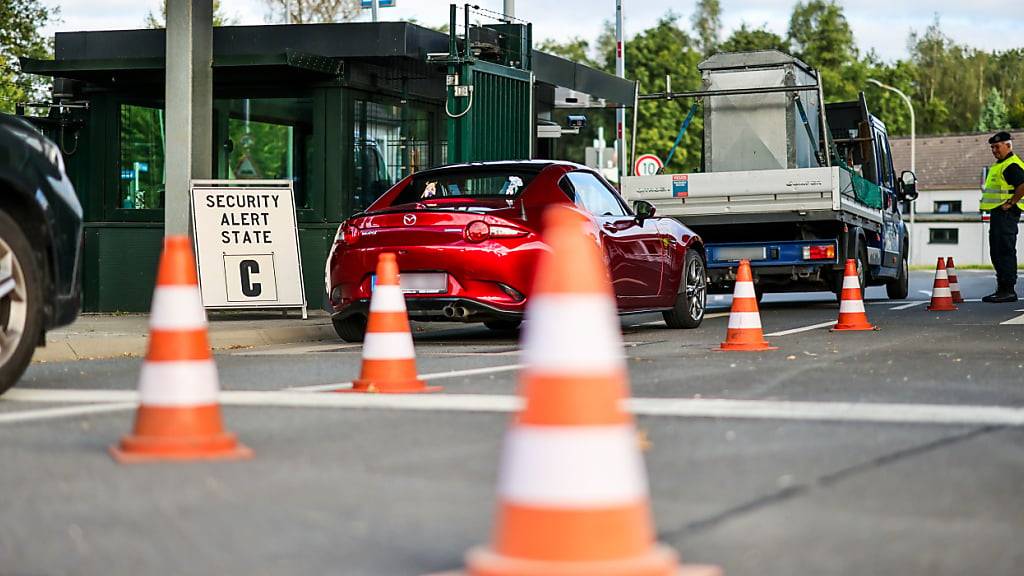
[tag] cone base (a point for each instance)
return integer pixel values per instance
(660, 561)
(745, 347)
(400, 387)
(848, 327)
(135, 449)
(941, 308)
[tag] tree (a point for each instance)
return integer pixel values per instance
(887, 105)
(994, 114)
(576, 49)
(20, 22)
(821, 37)
(745, 39)
(312, 11)
(160, 20)
(707, 23)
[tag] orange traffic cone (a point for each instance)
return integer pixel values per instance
(851, 304)
(179, 414)
(942, 298)
(744, 332)
(389, 360)
(954, 282)
(572, 488)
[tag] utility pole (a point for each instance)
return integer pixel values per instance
(913, 153)
(188, 93)
(374, 6)
(620, 112)
(510, 8)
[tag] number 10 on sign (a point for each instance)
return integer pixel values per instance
(647, 165)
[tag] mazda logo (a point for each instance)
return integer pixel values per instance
(409, 219)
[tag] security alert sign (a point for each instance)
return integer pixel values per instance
(247, 244)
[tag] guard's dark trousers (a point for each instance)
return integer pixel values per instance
(1002, 244)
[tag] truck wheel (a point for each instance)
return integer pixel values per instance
(21, 315)
(692, 299)
(352, 328)
(862, 275)
(899, 287)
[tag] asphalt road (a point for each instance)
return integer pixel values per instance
(899, 451)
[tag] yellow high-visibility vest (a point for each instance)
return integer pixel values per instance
(996, 190)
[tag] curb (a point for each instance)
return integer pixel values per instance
(81, 347)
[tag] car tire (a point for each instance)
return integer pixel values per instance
(351, 328)
(899, 287)
(21, 310)
(502, 325)
(692, 298)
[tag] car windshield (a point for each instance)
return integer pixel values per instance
(490, 184)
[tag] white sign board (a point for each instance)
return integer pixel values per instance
(247, 244)
(647, 165)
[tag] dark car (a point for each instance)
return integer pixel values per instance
(468, 237)
(40, 245)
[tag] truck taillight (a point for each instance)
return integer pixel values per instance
(825, 252)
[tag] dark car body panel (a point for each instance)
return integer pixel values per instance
(34, 187)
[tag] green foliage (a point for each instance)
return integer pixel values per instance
(821, 37)
(745, 39)
(576, 49)
(20, 21)
(160, 20)
(707, 23)
(994, 115)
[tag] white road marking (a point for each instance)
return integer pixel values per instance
(925, 292)
(436, 376)
(893, 413)
(909, 305)
(1017, 320)
(63, 412)
(706, 317)
(803, 329)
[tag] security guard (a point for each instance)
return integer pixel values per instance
(1004, 189)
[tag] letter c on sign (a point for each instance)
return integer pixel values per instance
(250, 288)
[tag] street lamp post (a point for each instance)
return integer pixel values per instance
(913, 152)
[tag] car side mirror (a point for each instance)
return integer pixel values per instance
(908, 185)
(643, 210)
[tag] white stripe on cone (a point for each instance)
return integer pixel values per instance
(572, 467)
(847, 306)
(941, 293)
(744, 290)
(177, 308)
(387, 298)
(941, 275)
(388, 346)
(572, 333)
(178, 383)
(850, 282)
(744, 320)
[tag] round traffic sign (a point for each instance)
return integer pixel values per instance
(647, 165)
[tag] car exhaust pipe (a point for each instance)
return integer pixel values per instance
(461, 312)
(448, 311)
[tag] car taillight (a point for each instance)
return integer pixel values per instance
(478, 231)
(826, 252)
(347, 234)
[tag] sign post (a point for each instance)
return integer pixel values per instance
(247, 244)
(647, 165)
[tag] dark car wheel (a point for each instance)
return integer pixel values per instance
(21, 318)
(352, 328)
(899, 287)
(503, 325)
(862, 275)
(692, 299)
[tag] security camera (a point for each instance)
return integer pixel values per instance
(577, 121)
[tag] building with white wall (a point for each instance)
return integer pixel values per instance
(949, 176)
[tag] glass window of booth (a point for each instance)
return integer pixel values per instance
(141, 140)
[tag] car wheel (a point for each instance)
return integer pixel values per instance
(899, 287)
(503, 325)
(351, 328)
(21, 317)
(692, 299)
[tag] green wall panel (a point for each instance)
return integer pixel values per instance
(121, 268)
(314, 244)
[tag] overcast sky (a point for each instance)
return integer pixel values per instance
(881, 25)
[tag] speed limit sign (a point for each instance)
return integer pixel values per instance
(647, 165)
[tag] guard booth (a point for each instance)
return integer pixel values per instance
(344, 111)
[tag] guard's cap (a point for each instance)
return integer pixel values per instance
(1000, 137)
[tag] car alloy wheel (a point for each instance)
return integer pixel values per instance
(20, 311)
(696, 288)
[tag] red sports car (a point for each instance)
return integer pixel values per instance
(468, 239)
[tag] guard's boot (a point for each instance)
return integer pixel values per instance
(1002, 295)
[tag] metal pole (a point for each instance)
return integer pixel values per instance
(510, 8)
(913, 153)
(374, 6)
(620, 71)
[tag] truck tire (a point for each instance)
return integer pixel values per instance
(21, 310)
(692, 297)
(862, 274)
(351, 329)
(899, 288)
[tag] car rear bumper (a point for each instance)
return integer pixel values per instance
(440, 309)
